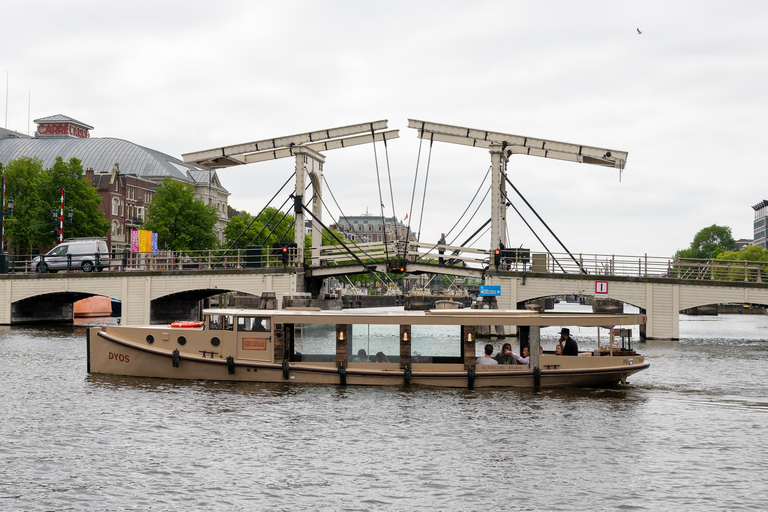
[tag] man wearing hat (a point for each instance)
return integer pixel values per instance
(571, 348)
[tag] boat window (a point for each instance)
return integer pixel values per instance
(228, 321)
(253, 324)
(434, 343)
(214, 322)
(314, 342)
(374, 343)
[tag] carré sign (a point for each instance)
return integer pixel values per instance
(601, 287)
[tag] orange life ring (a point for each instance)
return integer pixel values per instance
(187, 324)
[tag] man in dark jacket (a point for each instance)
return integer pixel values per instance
(571, 348)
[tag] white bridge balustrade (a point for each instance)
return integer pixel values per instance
(149, 284)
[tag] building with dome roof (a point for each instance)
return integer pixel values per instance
(124, 173)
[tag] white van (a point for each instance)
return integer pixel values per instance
(84, 254)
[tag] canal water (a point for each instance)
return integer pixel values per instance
(687, 434)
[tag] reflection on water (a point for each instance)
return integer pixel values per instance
(687, 434)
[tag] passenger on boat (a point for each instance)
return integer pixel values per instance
(505, 356)
(559, 349)
(487, 359)
(381, 357)
(362, 357)
(526, 357)
(571, 348)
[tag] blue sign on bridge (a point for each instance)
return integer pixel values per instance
(490, 291)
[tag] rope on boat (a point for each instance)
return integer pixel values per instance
(286, 370)
(407, 376)
(230, 364)
(471, 377)
(536, 377)
(342, 375)
(175, 358)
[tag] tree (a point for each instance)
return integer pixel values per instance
(709, 242)
(181, 221)
(87, 220)
(37, 193)
(21, 176)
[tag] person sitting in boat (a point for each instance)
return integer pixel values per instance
(362, 357)
(487, 359)
(559, 349)
(505, 355)
(570, 347)
(381, 357)
(525, 358)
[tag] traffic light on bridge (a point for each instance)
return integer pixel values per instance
(497, 257)
(284, 252)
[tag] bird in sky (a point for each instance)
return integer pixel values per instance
(638, 31)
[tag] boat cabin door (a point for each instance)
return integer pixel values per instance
(254, 338)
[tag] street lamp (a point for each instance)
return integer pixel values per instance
(3, 214)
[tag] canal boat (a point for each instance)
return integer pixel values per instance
(425, 348)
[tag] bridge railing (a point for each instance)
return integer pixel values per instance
(598, 265)
(158, 261)
(649, 267)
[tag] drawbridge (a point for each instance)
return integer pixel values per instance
(346, 253)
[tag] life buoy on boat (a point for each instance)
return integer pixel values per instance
(187, 324)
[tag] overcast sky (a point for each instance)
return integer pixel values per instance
(686, 99)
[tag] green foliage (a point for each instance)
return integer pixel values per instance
(269, 227)
(748, 253)
(37, 193)
(181, 221)
(753, 254)
(709, 242)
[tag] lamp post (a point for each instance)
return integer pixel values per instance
(3, 214)
(58, 219)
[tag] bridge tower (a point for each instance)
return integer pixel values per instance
(504, 145)
(307, 150)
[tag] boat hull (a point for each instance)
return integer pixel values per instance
(111, 353)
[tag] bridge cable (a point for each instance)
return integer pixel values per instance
(255, 217)
(426, 179)
(337, 239)
(413, 192)
(378, 183)
(266, 225)
(545, 225)
(342, 229)
(353, 242)
(474, 214)
(534, 233)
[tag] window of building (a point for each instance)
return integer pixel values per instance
(115, 206)
(115, 227)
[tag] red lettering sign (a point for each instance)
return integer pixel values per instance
(119, 357)
(63, 129)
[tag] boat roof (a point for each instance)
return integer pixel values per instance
(519, 317)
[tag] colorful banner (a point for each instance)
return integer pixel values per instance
(143, 241)
(134, 241)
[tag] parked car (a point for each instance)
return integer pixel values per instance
(85, 254)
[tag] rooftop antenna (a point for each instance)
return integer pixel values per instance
(7, 76)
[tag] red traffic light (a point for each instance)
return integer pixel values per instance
(497, 252)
